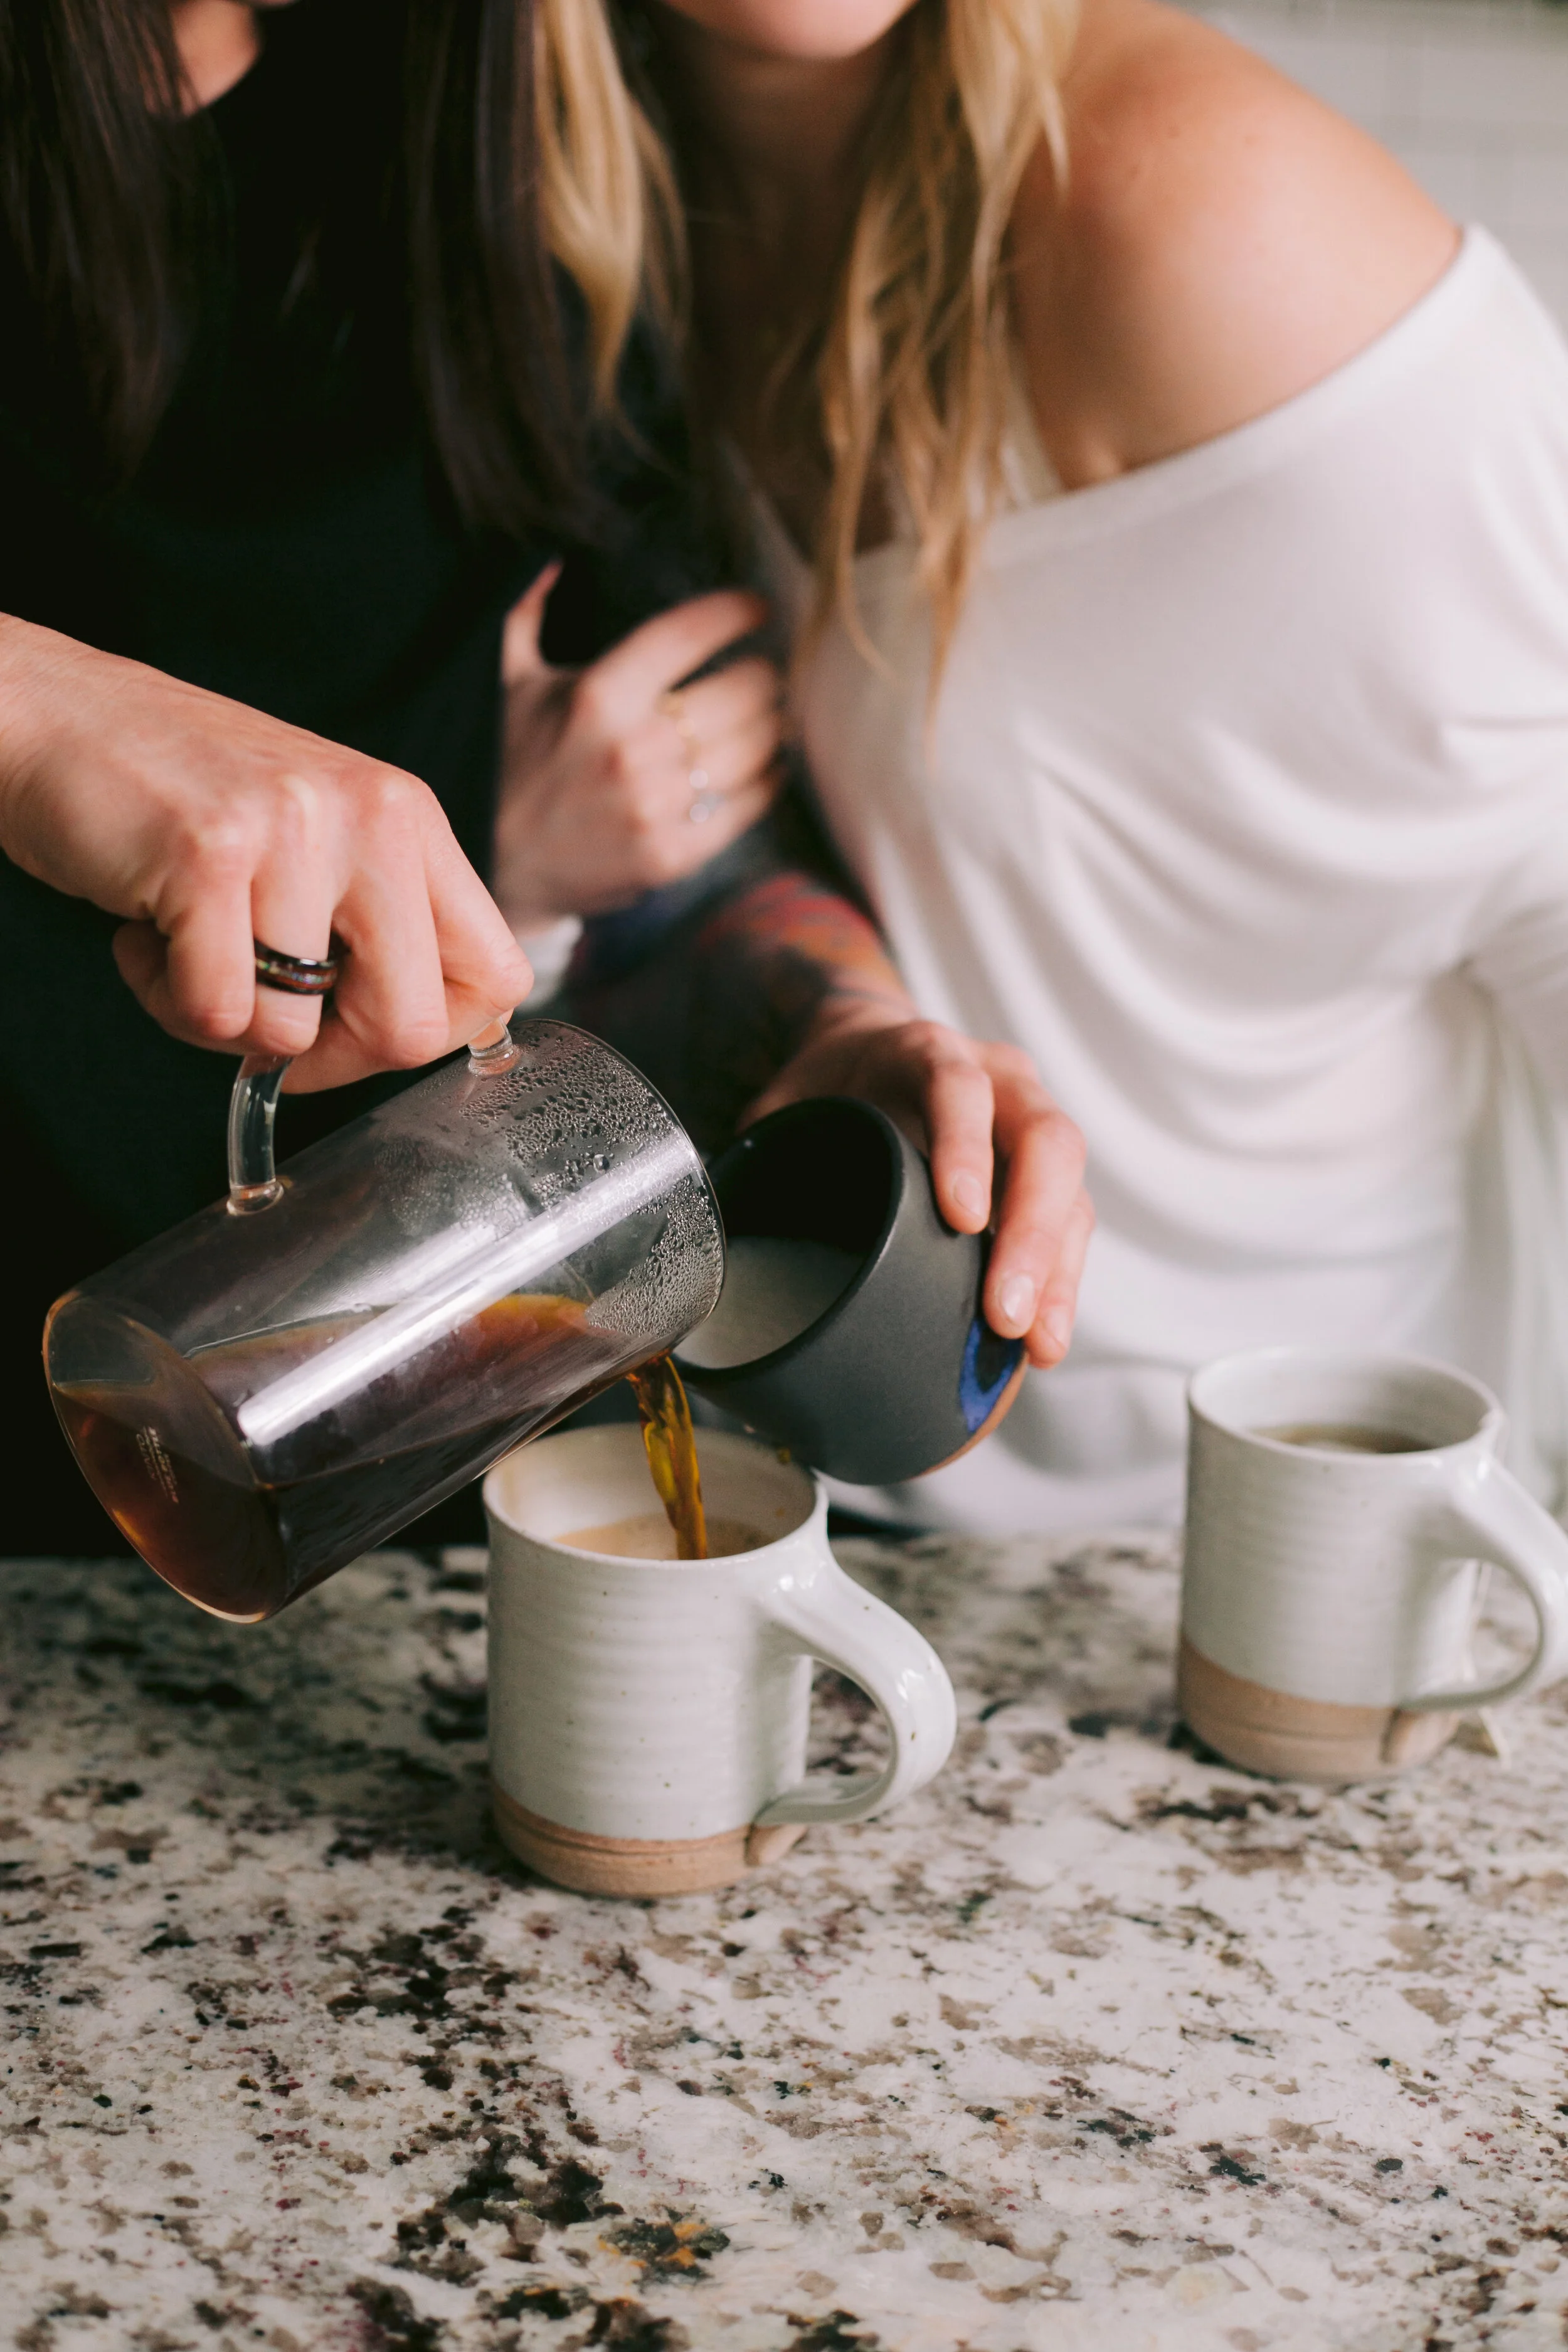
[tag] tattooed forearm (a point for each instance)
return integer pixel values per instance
(732, 992)
(770, 938)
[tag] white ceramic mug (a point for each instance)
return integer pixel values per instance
(1329, 1595)
(648, 1718)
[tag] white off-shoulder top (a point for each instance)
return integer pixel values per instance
(1245, 811)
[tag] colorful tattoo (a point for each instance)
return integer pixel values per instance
(730, 991)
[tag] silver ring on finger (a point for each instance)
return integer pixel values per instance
(672, 703)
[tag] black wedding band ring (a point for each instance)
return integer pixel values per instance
(295, 975)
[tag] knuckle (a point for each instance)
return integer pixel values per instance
(1048, 1125)
(507, 976)
(930, 1041)
(298, 801)
(756, 698)
(590, 702)
(213, 1017)
(622, 766)
(409, 1038)
(219, 848)
(1010, 1061)
(283, 1030)
(392, 798)
(1067, 1139)
(763, 772)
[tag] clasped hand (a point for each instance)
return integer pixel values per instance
(618, 778)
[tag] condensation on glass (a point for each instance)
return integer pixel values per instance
(292, 1375)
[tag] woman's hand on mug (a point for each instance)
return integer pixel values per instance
(981, 1111)
(208, 825)
(617, 779)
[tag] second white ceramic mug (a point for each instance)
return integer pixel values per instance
(648, 1718)
(1327, 1595)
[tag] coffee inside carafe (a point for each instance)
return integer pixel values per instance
(258, 1399)
(241, 1547)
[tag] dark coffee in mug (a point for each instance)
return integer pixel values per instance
(1341, 1507)
(1344, 1437)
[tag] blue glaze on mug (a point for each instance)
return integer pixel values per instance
(980, 1385)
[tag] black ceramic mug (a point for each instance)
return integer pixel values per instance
(850, 1327)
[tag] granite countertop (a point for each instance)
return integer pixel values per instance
(1097, 2043)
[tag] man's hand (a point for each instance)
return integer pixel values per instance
(208, 825)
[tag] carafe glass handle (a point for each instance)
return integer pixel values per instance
(253, 1180)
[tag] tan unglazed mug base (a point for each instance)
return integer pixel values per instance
(590, 1864)
(1291, 1738)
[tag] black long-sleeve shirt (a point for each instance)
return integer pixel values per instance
(288, 541)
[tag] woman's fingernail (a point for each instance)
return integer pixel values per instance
(1058, 1328)
(969, 1193)
(1019, 1297)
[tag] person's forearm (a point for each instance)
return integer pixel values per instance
(31, 659)
(772, 987)
(735, 990)
(790, 945)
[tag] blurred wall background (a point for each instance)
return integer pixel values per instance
(1472, 95)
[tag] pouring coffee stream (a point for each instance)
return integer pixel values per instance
(295, 1373)
(661, 1401)
(671, 1444)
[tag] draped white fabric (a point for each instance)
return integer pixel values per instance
(1244, 808)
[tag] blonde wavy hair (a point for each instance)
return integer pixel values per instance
(902, 381)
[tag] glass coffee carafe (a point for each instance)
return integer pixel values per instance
(288, 1378)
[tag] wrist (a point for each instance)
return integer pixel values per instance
(23, 650)
(518, 883)
(853, 1006)
(45, 681)
(526, 910)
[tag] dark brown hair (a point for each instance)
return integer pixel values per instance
(108, 209)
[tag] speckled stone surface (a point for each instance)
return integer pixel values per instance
(1097, 2043)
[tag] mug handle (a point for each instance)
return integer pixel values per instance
(825, 1614)
(1508, 1529)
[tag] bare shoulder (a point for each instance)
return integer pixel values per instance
(1222, 242)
